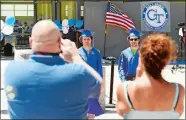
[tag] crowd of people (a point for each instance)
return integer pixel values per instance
(61, 81)
(22, 28)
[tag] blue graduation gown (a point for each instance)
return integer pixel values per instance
(127, 63)
(93, 58)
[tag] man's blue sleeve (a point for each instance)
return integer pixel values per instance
(94, 85)
(99, 65)
(122, 67)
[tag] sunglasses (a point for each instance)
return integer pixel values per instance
(133, 39)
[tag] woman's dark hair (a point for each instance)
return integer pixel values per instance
(156, 51)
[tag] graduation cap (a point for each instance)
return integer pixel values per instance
(86, 33)
(134, 33)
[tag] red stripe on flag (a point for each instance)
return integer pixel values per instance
(116, 24)
(121, 17)
(120, 20)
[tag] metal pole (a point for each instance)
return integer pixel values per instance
(35, 10)
(111, 81)
(56, 12)
(105, 41)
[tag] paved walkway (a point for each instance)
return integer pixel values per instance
(178, 76)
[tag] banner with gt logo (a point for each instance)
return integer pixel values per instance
(155, 16)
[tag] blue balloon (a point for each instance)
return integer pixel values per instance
(10, 20)
(60, 27)
(1, 36)
(57, 22)
(71, 22)
(79, 23)
(12, 25)
(9, 25)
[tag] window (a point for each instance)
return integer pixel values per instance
(82, 11)
(31, 7)
(30, 13)
(17, 9)
(21, 7)
(20, 13)
(7, 9)
(5, 13)
(20, 10)
(30, 10)
(66, 10)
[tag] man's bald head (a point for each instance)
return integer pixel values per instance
(44, 32)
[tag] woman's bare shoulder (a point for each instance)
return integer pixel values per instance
(180, 103)
(182, 92)
(122, 105)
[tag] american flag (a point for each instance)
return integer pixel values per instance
(116, 17)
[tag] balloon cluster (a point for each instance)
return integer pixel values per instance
(66, 24)
(7, 27)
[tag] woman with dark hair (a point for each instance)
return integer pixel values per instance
(150, 95)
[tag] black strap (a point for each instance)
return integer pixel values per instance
(127, 95)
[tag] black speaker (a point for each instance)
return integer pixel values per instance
(71, 35)
(8, 49)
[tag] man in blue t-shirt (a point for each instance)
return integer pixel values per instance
(51, 84)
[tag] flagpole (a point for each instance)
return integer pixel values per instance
(104, 57)
(106, 27)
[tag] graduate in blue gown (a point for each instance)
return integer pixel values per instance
(128, 60)
(93, 57)
(89, 53)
